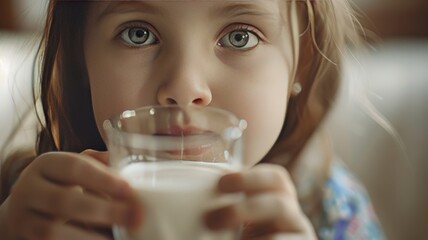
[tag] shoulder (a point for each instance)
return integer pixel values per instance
(347, 210)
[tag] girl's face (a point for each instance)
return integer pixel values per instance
(235, 55)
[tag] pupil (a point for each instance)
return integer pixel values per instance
(239, 37)
(140, 33)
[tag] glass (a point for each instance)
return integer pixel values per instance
(174, 156)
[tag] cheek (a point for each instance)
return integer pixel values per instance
(116, 84)
(260, 97)
(105, 91)
(265, 118)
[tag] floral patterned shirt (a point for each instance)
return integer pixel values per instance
(347, 211)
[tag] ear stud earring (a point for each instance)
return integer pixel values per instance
(296, 88)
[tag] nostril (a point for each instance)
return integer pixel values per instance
(198, 101)
(171, 101)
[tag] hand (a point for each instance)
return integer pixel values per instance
(270, 210)
(48, 200)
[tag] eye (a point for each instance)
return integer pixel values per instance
(138, 36)
(239, 39)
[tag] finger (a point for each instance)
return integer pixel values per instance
(72, 204)
(76, 169)
(257, 231)
(283, 214)
(266, 232)
(102, 157)
(222, 218)
(69, 232)
(262, 178)
(36, 226)
(276, 236)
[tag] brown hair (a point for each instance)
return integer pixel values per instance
(67, 107)
(65, 94)
(327, 26)
(326, 29)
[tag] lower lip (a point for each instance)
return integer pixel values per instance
(182, 131)
(188, 152)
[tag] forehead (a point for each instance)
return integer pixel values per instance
(216, 7)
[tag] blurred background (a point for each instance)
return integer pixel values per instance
(22, 15)
(378, 126)
(388, 18)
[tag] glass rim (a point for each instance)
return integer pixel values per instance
(111, 122)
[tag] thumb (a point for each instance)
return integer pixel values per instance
(102, 157)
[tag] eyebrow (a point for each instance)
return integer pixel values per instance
(234, 9)
(243, 8)
(122, 7)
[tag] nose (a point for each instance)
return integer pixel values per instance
(185, 85)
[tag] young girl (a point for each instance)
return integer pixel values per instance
(275, 63)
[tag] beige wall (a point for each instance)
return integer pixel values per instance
(396, 18)
(22, 15)
(30, 13)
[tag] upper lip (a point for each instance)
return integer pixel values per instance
(181, 131)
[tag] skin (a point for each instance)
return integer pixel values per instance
(191, 62)
(188, 67)
(51, 199)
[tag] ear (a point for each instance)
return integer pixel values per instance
(306, 49)
(305, 64)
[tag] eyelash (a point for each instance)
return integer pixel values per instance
(130, 25)
(244, 27)
(241, 27)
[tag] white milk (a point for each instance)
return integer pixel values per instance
(174, 196)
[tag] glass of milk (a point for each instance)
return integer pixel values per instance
(174, 156)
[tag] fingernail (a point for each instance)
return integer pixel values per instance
(134, 218)
(123, 190)
(231, 183)
(221, 218)
(213, 220)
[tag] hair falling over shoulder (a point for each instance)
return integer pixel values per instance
(321, 31)
(64, 89)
